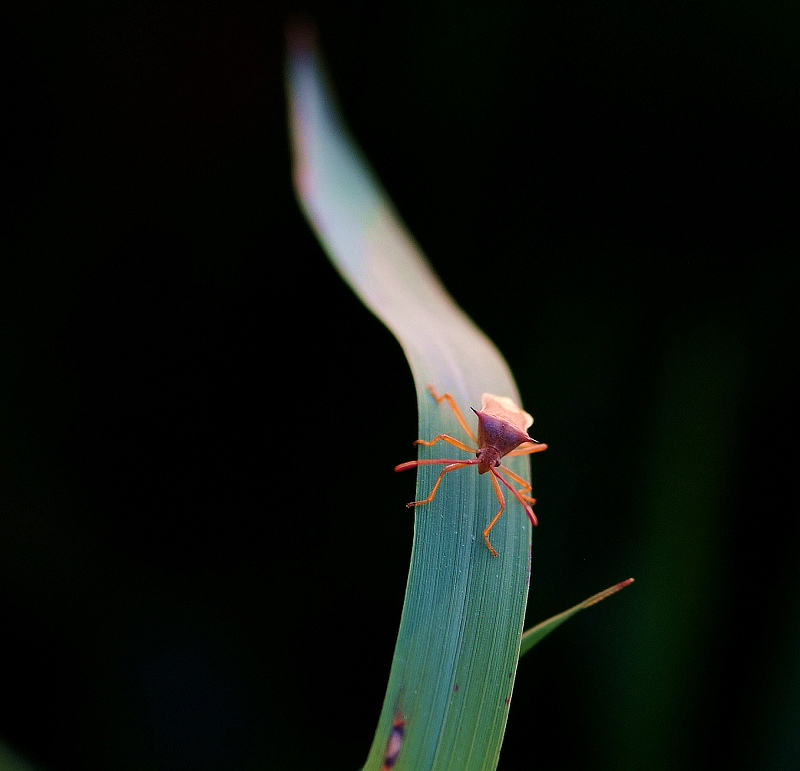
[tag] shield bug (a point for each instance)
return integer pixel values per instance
(502, 431)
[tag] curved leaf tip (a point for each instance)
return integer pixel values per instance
(540, 631)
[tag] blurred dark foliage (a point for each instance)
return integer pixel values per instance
(188, 391)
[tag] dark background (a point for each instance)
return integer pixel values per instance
(190, 396)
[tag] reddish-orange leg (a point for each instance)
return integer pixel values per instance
(459, 417)
(454, 465)
(502, 501)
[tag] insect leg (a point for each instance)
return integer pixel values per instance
(520, 497)
(454, 466)
(449, 440)
(502, 501)
(409, 464)
(526, 488)
(528, 448)
(457, 412)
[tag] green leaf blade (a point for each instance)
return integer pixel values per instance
(458, 644)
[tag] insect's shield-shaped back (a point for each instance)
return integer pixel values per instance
(506, 409)
(502, 424)
(499, 434)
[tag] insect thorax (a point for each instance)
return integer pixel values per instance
(488, 457)
(498, 434)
